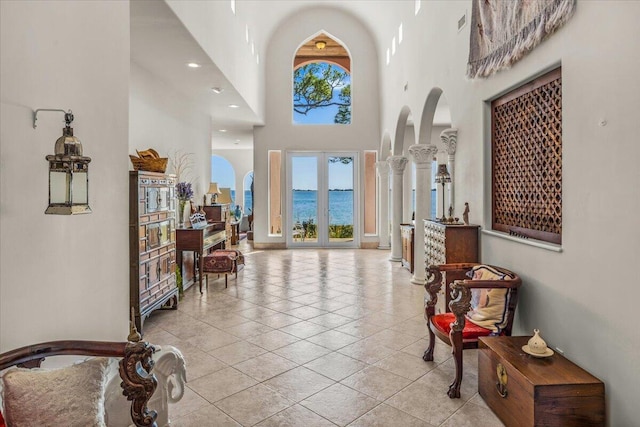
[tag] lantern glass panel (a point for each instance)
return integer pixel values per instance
(58, 187)
(79, 188)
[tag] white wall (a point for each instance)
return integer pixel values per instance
(583, 299)
(163, 119)
(63, 277)
(242, 163)
(222, 35)
(279, 133)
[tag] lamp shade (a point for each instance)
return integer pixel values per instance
(213, 188)
(442, 176)
(225, 196)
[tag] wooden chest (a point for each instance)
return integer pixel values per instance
(538, 391)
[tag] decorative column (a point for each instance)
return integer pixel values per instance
(383, 173)
(397, 164)
(422, 156)
(449, 138)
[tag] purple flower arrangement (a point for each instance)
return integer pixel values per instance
(184, 191)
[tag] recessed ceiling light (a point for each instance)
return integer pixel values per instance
(234, 106)
(237, 141)
(193, 65)
(217, 89)
(222, 130)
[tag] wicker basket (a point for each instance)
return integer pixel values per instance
(151, 165)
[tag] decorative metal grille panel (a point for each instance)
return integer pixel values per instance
(527, 160)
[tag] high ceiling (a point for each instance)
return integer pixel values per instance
(161, 45)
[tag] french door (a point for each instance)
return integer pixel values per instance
(322, 199)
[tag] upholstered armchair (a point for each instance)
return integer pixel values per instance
(483, 305)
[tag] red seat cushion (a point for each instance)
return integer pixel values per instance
(471, 331)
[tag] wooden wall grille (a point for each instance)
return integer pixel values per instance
(527, 160)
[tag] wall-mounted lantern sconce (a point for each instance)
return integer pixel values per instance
(68, 172)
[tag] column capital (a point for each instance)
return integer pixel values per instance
(397, 164)
(423, 154)
(449, 138)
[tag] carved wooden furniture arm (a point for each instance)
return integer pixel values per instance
(138, 382)
(490, 284)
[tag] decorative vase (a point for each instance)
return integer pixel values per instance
(181, 206)
(536, 343)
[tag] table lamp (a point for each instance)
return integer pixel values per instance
(214, 191)
(443, 177)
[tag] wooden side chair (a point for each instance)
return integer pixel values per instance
(483, 305)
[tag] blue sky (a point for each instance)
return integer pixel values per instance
(322, 115)
(222, 172)
(305, 174)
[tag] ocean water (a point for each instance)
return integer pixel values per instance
(305, 204)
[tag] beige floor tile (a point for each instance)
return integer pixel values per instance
(360, 328)
(330, 304)
(202, 364)
(304, 329)
(257, 312)
(306, 312)
(237, 352)
(206, 416)
(298, 383)
(265, 366)
(471, 415)
(387, 416)
(352, 311)
(340, 404)
(426, 400)
(405, 365)
(223, 320)
(221, 384)
(296, 416)
(376, 382)
(333, 340)
(302, 351)
(253, 405)
(366, 351)
(393, 339)
(417, 328)
(336, 366)
(307, 299)
(278, 320)
(212, 339)
(283, 305)
(331, 320)
(273, 340)
(248, 329)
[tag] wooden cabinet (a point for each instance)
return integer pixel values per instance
(446, 244)
(221, 212)
(537, 392)
(152, 248)
(200, 241)
(407, 232)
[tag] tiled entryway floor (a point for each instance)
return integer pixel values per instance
(311, 338)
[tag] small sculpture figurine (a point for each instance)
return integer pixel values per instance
(465, 214)
(450, 213)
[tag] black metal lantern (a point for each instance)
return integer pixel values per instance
(68, 174)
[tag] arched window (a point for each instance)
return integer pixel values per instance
(322, 82)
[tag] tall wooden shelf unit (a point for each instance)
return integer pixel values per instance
(152, 243)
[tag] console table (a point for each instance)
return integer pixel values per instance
(200, 241)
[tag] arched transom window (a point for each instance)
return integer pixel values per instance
(322, 82)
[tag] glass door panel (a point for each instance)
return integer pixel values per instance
(340, 197)
(322, 199)
(304, 199)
